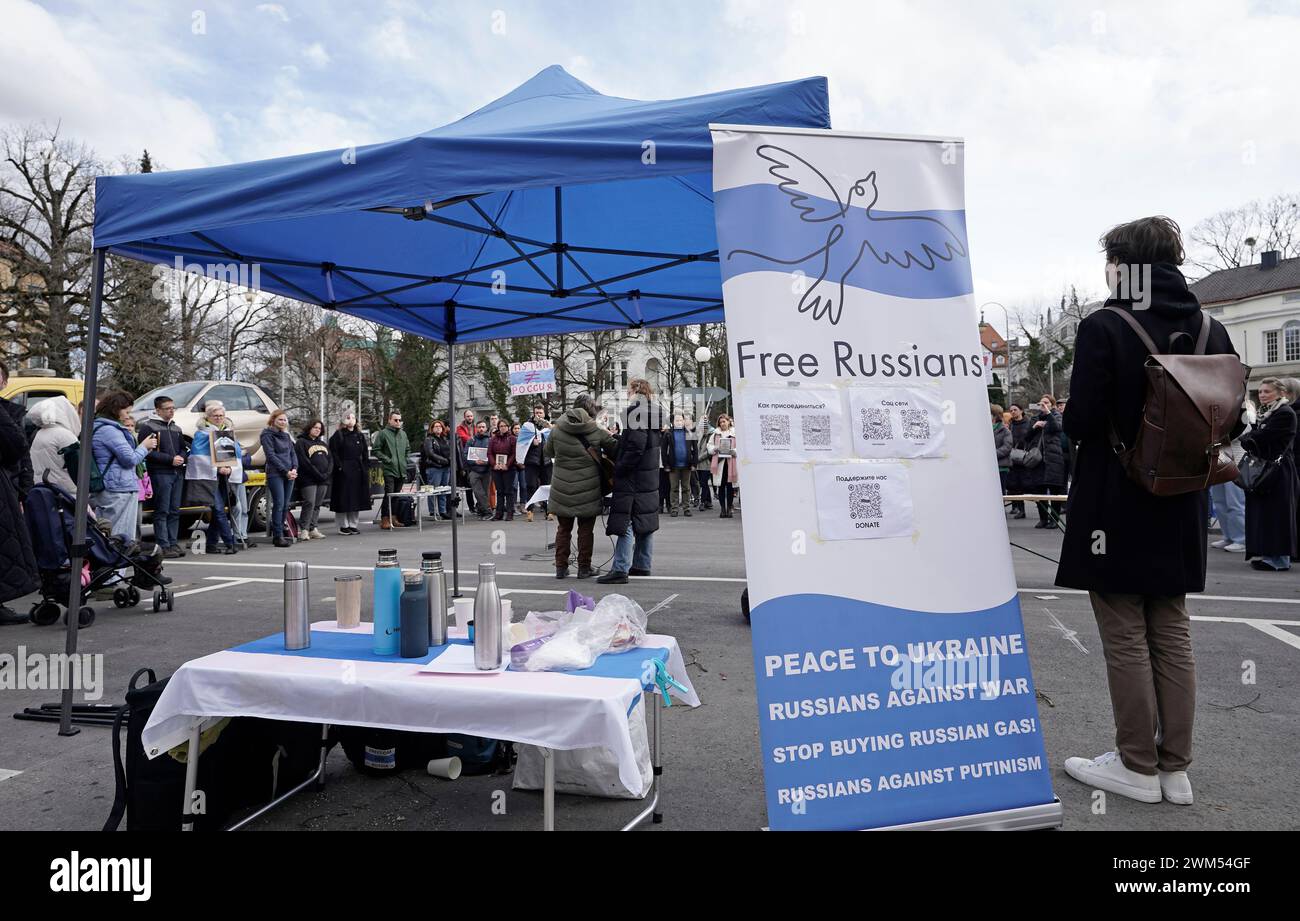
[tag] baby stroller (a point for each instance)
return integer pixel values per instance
(51, 514)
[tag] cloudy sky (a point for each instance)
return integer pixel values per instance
(1076, 115)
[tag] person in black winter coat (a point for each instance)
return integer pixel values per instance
(18, 574)
(315, 470)
(435, 461)
(1271, 511)
(350, 482)
(1049, 477)
(634, 511)
(1136, 554)
(1021, 432)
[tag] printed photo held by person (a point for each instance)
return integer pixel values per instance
(723, 448)
(215, 463)
(1137, 554)
(501, 454)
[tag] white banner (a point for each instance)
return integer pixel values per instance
(881, 551)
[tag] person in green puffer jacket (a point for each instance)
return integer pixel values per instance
(575, 481)
(391, 447)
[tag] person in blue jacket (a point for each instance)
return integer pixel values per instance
(117, 455)
(281, 470)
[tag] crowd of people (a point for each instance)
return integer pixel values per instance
(1035, 456)
(629, 469)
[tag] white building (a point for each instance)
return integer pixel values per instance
(1260, 307)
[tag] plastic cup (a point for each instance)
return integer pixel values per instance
(464, 608)
(446, 768)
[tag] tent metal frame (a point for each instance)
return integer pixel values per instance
(562, 251)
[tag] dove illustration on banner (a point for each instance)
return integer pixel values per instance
(853, 230)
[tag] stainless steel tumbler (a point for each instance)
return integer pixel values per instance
(297, 606)
(487, 619)
(435, 584)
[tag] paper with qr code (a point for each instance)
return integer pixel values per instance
(896, 421)
(860, 501)
(793, 425)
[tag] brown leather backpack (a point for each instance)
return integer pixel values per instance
(1193, 404)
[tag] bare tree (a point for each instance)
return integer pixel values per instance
(46, 217)
(1230, 238)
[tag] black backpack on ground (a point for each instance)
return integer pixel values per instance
(246, 763)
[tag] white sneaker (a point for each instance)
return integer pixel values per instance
(1107, 772)
(1235, 548)
(1219, 544)
(1176, 787)
(316, 534)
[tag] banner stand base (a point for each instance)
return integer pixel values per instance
(1025, 818)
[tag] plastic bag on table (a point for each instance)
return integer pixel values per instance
(616, 624)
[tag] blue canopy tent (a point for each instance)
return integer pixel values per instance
(552, 209)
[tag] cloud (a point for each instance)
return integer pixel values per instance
(274, 10)
(316, 55)
(106, 98)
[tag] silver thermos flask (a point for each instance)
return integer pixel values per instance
(297, 613)
(487, 619)
(435, 584)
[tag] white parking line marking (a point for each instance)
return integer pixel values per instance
(1273, 630)
(463, 572)
(226, 581)
(6, 773)
(243, 580)
(1242, 598)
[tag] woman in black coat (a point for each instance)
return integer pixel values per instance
(18, 574)
(350, 484)
(1021, 432)
(634, 510)
(1048, 478)
(1271, 511)
(1120, 538)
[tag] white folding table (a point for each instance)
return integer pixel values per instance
(551, 710)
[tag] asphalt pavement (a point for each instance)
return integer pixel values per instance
(1246, 633)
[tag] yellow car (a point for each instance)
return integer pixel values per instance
(29, 386)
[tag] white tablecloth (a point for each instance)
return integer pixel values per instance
(549, 709)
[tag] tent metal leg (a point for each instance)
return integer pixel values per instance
(548, 790)
(455, 446)
(191, 775)
(78, 549)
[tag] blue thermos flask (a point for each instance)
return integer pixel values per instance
(415, 616)
(388, 603)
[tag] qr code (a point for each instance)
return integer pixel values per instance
(775, 431)
(864, 500)
(916, 424)
(817, 431)
(876, 425)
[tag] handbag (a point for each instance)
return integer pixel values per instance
(1028, 458)
(1256, 474)
(604, 467)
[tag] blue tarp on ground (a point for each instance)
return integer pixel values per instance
(627, 175)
